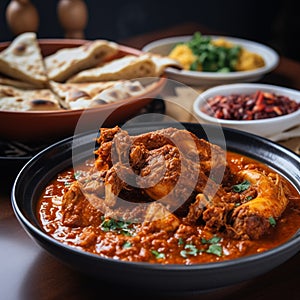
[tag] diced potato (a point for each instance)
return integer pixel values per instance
(249, 61)
(184, 55)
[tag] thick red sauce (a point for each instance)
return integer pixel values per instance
(187, 245)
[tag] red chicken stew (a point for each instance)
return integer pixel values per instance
(99, 210)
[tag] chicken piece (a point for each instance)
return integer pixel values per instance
(213, 161)
(103, 161)
(120, 148)
(155, 139)
(113, 186)
(196, 209)
(117, 178)
(211, 158)
(79, 209)
(137, 157)
(107, 134)
(172, 178)
(161, 172)
(93, 182)
(216, 217)
(160, 218)
(213, 210)
(120, 175)
(183, 172)
(170, 165)
(252, 219)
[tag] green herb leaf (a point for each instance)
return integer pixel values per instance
(126, 245)
(77, 174)
(117, 226)
(272, 221)
(189, 250)
(180, 241)
(243, 186)
(210, 57)
(215, 249)
(214, 240)
(158, 255)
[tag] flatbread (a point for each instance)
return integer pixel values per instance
(15, 99)
(23, 60)
(70, 92)
(16, 83)
(123, 89)
(115, 79)
(162, 62)
(68, 61)
(127, 67)
(88, 95)
(120, 91)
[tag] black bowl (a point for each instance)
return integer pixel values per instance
(175, 278)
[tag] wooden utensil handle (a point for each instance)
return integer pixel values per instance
(73, 16)
(22, 16)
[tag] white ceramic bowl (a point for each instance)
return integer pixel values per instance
(164, 46)
(269, 128)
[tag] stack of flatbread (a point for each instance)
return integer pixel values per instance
(80, 77)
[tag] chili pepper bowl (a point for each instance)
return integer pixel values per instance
(274, 128)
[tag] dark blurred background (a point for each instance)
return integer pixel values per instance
(275, 23)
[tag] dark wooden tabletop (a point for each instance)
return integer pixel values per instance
(28, 272)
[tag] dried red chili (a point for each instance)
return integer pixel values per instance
(258, 105)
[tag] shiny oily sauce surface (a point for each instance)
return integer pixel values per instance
(186, 245)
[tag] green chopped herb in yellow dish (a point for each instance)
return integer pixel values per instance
(202, 53)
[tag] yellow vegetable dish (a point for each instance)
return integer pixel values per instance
(249, 61)
(184, 55)
(244, 60)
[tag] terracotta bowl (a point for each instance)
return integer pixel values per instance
(33, 126)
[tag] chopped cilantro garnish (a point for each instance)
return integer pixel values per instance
(158, 255)
(214, 240)
(77, 174)
(243, 186)
(272, 221)
(180, 241)
(210, 57)
(215, 249)
(189, 249)
(126, 245)
(118, 226)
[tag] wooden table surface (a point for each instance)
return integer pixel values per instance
(29, 272)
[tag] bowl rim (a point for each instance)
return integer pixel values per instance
(294, 240)
(271, 63)
(230, 88)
